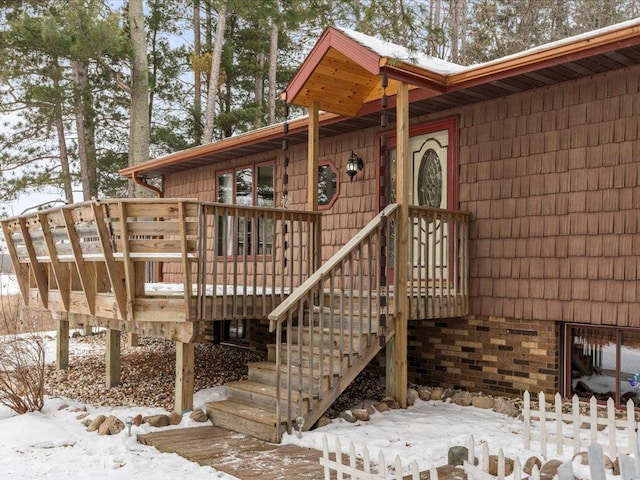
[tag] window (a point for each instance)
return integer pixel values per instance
(327, 185)
(246, 186)
(600, 361)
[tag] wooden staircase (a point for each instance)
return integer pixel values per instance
(327, 332)
(250, 406)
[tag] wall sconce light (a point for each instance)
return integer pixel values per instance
(354, 164)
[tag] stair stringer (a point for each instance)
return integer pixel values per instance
(329, 396)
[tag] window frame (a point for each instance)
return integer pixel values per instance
(334, 197)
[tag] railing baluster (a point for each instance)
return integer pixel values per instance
(332, 306)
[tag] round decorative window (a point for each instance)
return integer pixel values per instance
(430, 180)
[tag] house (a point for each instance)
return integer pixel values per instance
(500, 255)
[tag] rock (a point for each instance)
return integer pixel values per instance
(457, 455)
(424, 393)
(584, 458)
(322, 422)
(412, 396)
(529, 464)
(63, 406)
(95, 423)
(550, 469)
(369, 406)
(80, 409)
(160, 420)
(361, 414)
(436, 394)
(82, 416)
(462, 398)
(175, 418)
(198, 416)
(137, 420)
(86, 422)
(505, 407)
(111, 426)
(481, 401)
(616, 467)
(383, 407)
(493, 465)
(393, 404)
(348, 416)
(608, 464)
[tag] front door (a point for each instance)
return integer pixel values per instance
(431, 186)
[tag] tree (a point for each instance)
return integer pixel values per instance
(216, 58)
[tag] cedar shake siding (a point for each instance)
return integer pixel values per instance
(551, 179)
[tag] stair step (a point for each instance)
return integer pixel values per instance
(309, 352)
(248, 419)
(336, 337)
(262, 395)
(266, 372)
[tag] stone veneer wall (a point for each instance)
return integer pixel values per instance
(493, 355)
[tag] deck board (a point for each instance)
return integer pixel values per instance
(239, 455)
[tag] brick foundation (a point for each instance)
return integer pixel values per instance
(493, 355)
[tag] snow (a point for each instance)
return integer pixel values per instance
(8, 284)
(392, 50)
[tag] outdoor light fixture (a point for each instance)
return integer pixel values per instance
(129, 422)
(354, 164)
(300, 424)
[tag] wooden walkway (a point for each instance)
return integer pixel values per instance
(237, 454)
(247, 458)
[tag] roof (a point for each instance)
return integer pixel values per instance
(343, 70)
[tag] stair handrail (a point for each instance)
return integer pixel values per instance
(280, 312)
(294, 304)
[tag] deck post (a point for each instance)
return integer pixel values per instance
(396, 350)
(313, 153)
(113, 357)
(184, 377)
(132, 339)
(62, 341)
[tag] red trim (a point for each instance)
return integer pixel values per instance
(451, 125)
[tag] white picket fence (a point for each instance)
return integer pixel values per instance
(364, 468)
(361, 467)
(550, 431)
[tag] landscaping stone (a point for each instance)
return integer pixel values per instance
(505, 407)
(95, 423)
(361, 414)
(457, 455)
(111, 426)
(137, 420)
(393, 404)
(482, 401)
(462, 398)
(175, 418)
(383, 407)
(550, 469)
(493, 465)
(322, 422)
(584, 458)
(199, 416)
(424, 393)
(436, 394)
(348, 416)
(529, 464)
(160, 420)
(412, 396)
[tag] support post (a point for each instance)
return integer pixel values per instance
(184, 377)
(62, 342)
(113, 358)
(313, 152)
(396, 349)
(132, 339)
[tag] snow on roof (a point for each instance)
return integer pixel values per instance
(391, 50)
(437, 65)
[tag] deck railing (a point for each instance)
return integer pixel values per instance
(98, 258)
(255, 256)
(337, 311)
(438, 263)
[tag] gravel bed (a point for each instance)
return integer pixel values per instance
(148, 374)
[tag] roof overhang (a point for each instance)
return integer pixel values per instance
(343, 76)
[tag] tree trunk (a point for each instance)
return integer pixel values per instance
(273, 68)
(216, 58)
(62, 141)
(85, 129)
(139, 126)
(197, 75)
